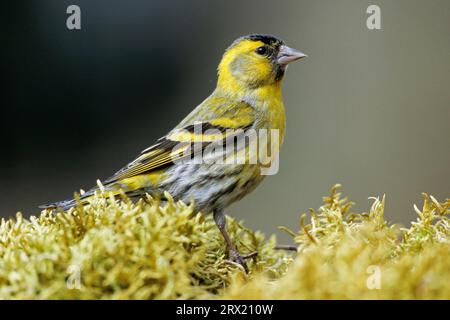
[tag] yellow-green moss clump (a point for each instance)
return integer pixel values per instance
(115, 249)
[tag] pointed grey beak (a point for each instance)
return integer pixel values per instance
(287, 55)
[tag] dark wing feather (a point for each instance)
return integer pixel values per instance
(179, 142)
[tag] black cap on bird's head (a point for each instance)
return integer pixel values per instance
(258, 59)
(265, 38)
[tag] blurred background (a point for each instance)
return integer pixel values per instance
(369, 108)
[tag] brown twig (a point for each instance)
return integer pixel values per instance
(286, 247)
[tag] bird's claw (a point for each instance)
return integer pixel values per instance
(240, 259)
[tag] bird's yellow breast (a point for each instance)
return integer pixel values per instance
(269, 103)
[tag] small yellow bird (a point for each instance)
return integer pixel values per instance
(247, 97)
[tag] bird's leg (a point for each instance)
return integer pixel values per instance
(219, 218)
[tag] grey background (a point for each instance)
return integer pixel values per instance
(368, 109)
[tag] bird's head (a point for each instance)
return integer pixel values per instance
(254, 61)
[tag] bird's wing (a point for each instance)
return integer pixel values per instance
(178, 144)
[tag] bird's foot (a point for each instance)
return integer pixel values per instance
(240, 259)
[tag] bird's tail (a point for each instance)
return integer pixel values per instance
(67, 204)
(111, 190)
(82, 199)
(63, 205)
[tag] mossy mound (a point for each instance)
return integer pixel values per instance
(343, 255)
(120, 250)
(116, 249)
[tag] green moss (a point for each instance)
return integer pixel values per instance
(344, 255)
(116, 249)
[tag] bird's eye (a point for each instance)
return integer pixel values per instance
(261, 50)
